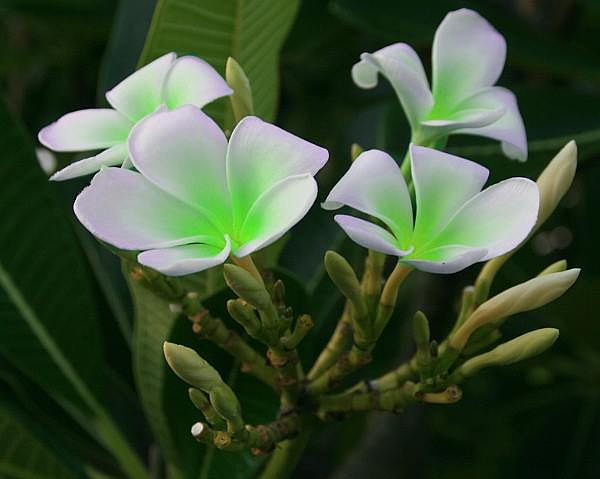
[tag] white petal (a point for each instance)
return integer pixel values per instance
(443, 183)
(375, 185)
(193, 81)
(446, 260)
(468, 54)
(140, 93)
(370, 235)
(183, 152)
(275, 212)
(185, 259)
(508, 128)
(433, 128)
(403, 69)
(497, 219)
(115, 155)
(260, 155)
(86, 130)
(126, 210)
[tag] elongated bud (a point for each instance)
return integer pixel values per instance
(355, 151)
(201, 401)
(226, 403)
(421, 333)
(555, 268)
(191, 368)
(303, 325)
(245, 315)
(246, 287)
(241, 99)
(518, 349)
(524, 297)
(555, 180)
(344, 277)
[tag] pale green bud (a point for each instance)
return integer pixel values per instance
(191, 368)
(526, 296)
(555, 180)
(557, 267)
(241, 99)
(226, 403)
(355, 151)
(344, 277)
(201, 401)
(521, 348)
(247, 287)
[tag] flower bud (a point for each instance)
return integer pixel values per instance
(191, 368)
(524, 297)
(226, 403)
(557, 267)
(421, 333)
(202, 403)
(247, 287)
(355, 151)
(555, 180)
(241, 99)
(518, 349)
(344, 277)
(245, 315)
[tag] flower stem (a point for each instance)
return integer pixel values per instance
(247, 263)
(286, 456)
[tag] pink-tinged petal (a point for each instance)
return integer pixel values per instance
(259, 156)
(446, 260)
(497, 219)
(275, 212)
(468, 54)
(126, 210)
(140, 93)
(375, 185)
(185, 259)
(370, 235)
(86, 130)
(401, 66)
(193, 81)
(508, 128)
(114, 156)
(183, 152)
(443, 184)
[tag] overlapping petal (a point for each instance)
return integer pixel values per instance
(86, 130)
(370, 235)
(375, 185)
(183, 152)
(468, 55)
(259, 156)
(193, 81)
(126, 210)
(508, 128)
(403, 69)
(275, 212)
(140, 93)
(185, 259)
(446, 259)
(113, 156)
(443, 183)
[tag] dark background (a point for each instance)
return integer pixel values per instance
(538, 419)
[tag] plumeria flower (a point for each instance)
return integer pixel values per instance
(456, 224)
(467, 59)
(166, 83)
(196, 198)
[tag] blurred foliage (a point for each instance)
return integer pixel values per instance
(536, 419)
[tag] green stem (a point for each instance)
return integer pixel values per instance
(286, 456)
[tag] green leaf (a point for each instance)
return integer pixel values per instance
(23, 455)
(251, 31)
(47, 308)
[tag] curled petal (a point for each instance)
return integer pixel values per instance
(468, 54)
(126, 210)
(370, 235)
(259, 156)
(275, 212)
(508, 128)
(183, 152)
(497, 219)
(375, 185)
(193, 81)
(185, 259)
(140, 93)
(446, 259)
(403, 69)
(443, 184)
(86, 130)
(114, 156)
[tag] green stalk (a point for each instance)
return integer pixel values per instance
(286, 456)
